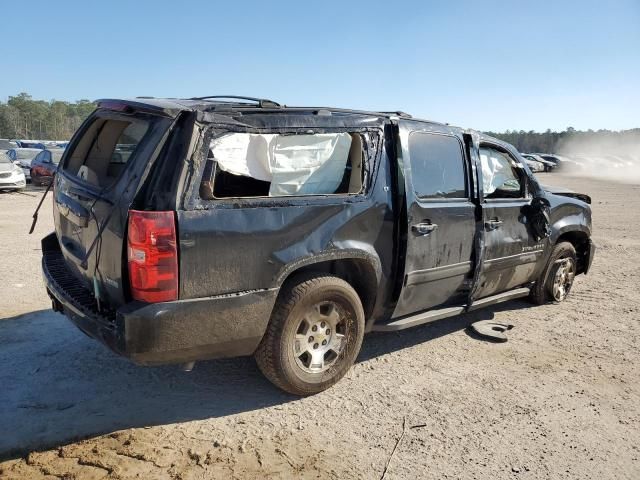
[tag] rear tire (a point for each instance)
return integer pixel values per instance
(314, 335)
(556, 279)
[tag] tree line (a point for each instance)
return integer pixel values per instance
(571, 141)
(23, 117)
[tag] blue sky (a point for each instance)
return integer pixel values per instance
(490, 65)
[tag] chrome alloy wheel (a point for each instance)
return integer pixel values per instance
(563, 279)
(320, 337)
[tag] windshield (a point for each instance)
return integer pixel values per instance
(4, 158)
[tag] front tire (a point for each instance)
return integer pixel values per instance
(556, 280)
(314, 335)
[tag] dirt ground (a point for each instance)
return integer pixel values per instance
(560, 399)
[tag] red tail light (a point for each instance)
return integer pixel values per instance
(153, 256)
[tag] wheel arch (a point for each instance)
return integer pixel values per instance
(360, 270)
(581, 242)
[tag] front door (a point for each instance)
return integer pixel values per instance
(441, 221)
(511, 252)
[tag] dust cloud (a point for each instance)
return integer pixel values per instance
(612, 157)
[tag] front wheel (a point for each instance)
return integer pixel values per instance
(314, 335)
(556, 280)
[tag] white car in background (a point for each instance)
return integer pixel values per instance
(23, 158)
(11, 175)
(547, 165)
(534, 164)
(6, 144)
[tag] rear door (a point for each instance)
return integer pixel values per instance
(441, 220)
(511, 252)
(95, 187)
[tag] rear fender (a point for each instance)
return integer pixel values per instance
(359, 268)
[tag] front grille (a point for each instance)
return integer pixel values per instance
(75, 291)
(5, 175)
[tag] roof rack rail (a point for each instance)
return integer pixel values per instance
(399, 113)
(262, 102)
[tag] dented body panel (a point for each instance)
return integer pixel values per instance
(403, 253)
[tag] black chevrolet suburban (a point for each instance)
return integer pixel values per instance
(190, 229)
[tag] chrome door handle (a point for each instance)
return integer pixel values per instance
(493, 224)
(423, 228)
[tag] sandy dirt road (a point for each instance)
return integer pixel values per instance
(560, 399)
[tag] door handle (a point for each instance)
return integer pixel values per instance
(493, 224)
(423, 228)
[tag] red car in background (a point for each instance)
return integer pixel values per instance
(45, 165)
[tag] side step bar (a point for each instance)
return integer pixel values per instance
(433, 315)
(499, 298)
(419, 319)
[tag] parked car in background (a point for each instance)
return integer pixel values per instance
(45, 165)
(30, 144)
(564, 162)
(11, 175)
(6, 144)
(534, 165)
(550, 158)
(23, 158)
(559, 161)
(547, 164)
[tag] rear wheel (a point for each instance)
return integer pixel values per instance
(314, 335)
(556, 280)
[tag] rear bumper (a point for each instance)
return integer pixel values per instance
(168, 332)
(41, 178)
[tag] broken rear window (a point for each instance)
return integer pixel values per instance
(275, 165)
(101, 154)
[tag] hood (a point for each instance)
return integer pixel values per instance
(565, 192)
(6, 167)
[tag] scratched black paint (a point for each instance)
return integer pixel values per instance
(236, 253)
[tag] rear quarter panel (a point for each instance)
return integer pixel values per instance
(225, 250)
(238, 245)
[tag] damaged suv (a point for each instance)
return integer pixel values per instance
(226, 226)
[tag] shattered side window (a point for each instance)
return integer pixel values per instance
(499, 177)
(275, 165)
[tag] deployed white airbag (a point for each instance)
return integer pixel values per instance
(496, 172)
(294, 164)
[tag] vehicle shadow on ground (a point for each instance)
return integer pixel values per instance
(57, 385)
